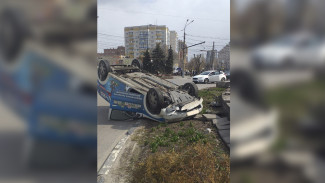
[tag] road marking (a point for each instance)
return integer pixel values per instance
(112, 157)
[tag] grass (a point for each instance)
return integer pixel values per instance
(181, 152)
(209, 95)
(294, 103)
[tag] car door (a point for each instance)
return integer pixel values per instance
(216, 76)
(212, 77)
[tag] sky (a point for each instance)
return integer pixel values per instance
(211, 21)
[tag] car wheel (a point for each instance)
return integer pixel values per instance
(206, 81)
(223, 79)
(154, 100)
(12, 36)
(136, 63)
(191, 89)
(103, 69)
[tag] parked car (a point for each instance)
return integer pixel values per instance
(209, 76)
(296, 50)
(227, 75)
(177, 71)
(141, 94)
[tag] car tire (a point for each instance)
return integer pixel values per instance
(191, 89)
(206, 81)
(223, 79)
(103, 69)
(11, 43)
(136, 63)
(154, 100)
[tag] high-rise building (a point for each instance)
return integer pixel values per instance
(140, 38)
(224, 58)
(210, 62)
(174, 41)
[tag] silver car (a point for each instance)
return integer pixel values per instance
(210, 76)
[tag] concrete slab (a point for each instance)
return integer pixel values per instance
(199, 116)
(226, 98)
(221, 121)
(223, 127)
(210, 116)
(225, 135)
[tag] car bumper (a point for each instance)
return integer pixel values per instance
(187, 110)
(198, 80)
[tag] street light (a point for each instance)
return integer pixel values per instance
(186, 24)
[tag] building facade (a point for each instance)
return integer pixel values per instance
(113, 55)
(211, 63)
(224, 58)
(174, 41)
(140, 38)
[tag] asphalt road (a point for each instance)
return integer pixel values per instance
(180, 81)
(110, 132)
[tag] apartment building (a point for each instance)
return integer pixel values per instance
(174, 41)
(139, 38)
(224, 58)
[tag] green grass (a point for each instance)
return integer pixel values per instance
(209, 95)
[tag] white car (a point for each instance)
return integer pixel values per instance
(209, 76)
(301, 49)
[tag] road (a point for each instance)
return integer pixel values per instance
(110, 132)
(180, 81)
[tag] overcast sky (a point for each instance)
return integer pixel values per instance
(211, 20)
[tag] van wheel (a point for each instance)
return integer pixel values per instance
(103, 69)
(154, 100)
(191, 89)
(12, 35)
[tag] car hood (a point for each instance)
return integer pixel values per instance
(199, 76)
(273, 51)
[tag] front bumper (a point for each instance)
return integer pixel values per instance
(187, 110)
(198, 80)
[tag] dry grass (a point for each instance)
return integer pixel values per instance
(197, 163)
(180, 152)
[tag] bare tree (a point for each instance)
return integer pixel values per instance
(198, 63)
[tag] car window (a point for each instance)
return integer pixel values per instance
(213, 73)
(205, 73)
(217, 73)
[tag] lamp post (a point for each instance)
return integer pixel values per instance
(183, 48)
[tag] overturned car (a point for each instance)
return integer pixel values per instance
(140, 94)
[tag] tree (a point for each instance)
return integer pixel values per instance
(198, 63)
(147, 65)
(169, 62)
(158, 58)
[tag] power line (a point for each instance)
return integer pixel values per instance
(208, 37)
(110, 35)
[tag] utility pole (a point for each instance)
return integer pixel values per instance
(184, 47)
(212, 56)
(184, 53)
